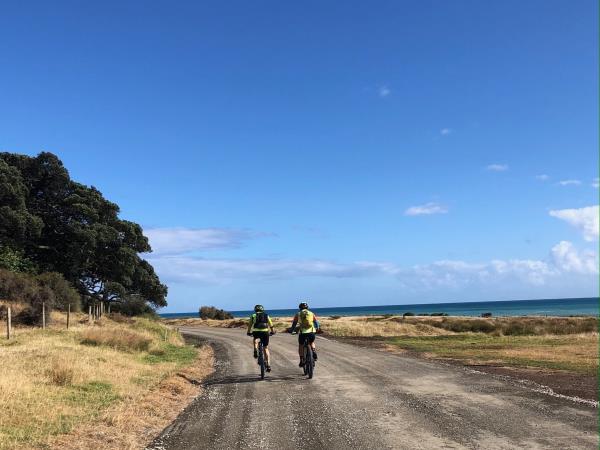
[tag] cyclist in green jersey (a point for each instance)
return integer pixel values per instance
(258, 327)
(309, 325)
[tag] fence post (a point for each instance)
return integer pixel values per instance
(109, 308)
(90, 314)
(8, 324)
(68, 314)
(43, 315)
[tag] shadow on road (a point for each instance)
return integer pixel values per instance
(239, 379)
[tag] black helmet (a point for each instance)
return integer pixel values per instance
(303, 305)
(259, 308)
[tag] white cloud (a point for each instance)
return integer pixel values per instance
(497, 167)
(184, 240)
(569, 183)
(584, 219)
(568, 259)
(596, 183)
(426, 209)
(384, 91)
(563, 261)
(445, 131)
(542, 177)
(188, 268)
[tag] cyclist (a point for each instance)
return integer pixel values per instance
(258, 328)
(308, 328)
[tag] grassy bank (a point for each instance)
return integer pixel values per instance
(557, 343)
(55, 382)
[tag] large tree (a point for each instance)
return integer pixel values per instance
(67, 227)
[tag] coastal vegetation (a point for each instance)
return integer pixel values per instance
(210, 312)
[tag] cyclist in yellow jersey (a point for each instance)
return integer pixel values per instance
(258, 327)
(308, 329)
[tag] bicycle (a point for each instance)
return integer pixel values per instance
(309, 361)
(261, 358)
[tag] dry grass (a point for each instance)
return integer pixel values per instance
(387, 326)
(61, 372)
(132, 425)
(342, 327)
(576, 353)
(51, 384)
(116, 337)
(513, 326)
(367, 327)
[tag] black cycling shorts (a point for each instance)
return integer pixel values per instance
(263, 336)
(302, 337)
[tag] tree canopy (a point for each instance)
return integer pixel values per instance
(51, 223)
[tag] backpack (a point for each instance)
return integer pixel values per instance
(306, 319)
(261, 320)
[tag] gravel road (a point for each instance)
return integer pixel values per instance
(366, 399)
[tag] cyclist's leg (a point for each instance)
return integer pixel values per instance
(255, 339)
(313, 346)
(301, 348)
(265, 341)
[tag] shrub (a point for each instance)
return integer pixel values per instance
(406, 314)
(465, 325)
(486, 314)
(16, 286)
(210, 312)
(519, 328)
(39, 299)
(50, 289)
(443, 314)
(133, 306)
(335, 317)
(64, 293)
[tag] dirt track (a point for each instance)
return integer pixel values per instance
(366, 399)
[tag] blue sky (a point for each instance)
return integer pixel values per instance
(364, 153)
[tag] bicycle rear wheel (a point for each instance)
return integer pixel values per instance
(305, 366)
(261, 360)
(309, 363)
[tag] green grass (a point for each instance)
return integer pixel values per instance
(98, 393)
(576, 354)
(171, 353)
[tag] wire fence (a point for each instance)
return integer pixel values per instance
(95, 312)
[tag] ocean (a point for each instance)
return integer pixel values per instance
(546, 307)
